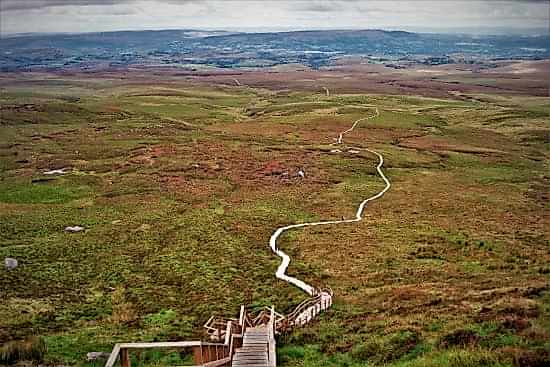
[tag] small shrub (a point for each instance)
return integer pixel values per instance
(290, 352)
(299, 337)
(515, 323)
(533, 358)
(434, 326)
(342, 345)
(460, 338)
(160, 318)
(387, 348)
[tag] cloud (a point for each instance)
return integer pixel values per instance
(323, 6)
(105, 15)
(12, 5)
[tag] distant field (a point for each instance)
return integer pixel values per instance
(178, 185)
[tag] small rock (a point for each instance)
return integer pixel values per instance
(74, 229)
(353, 151)
(336, 151)
(10, 263)
(94, 356)
(115, 222)
(301, 173)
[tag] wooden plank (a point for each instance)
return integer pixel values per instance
(217, 363)
(257, 359)
(197, 354)
(125, 358)
(212, 354)
(176, 345)
(248, 357)
(206, 354)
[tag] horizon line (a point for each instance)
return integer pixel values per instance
(256, 30)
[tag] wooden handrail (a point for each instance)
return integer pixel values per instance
(122, 350)
(113, 357)
(167, 345)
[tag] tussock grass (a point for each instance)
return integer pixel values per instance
(31, 349)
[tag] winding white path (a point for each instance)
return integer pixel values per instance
(281, 270)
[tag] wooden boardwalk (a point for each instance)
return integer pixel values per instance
(255, 349)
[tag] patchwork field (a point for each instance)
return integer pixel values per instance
(178, 185)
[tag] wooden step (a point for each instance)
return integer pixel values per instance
(252, 349)
(253, 352)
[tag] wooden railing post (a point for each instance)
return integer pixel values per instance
(241, 318)
(125, 358)
(228, 333)
(272, 354)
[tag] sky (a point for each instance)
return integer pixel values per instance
(467, 16)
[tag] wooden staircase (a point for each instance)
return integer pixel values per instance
(248, 341)
(255, 349)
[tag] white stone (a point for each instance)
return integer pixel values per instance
(74, 229)
(10, 263)
(94, 356)
(55, 172)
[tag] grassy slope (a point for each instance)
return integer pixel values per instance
(450, 268)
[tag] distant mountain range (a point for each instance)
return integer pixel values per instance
(197, 48)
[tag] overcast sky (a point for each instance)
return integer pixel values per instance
(20, 16)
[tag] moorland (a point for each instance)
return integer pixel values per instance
(179, 177)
